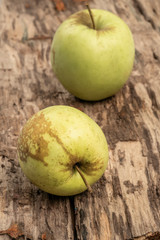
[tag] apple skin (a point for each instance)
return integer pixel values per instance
(53, 141)
(93, 64)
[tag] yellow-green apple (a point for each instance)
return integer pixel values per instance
(93, 64)
(62, 150)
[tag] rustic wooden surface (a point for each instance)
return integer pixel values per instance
(125, 203)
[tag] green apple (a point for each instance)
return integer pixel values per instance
(62, 150)
(93, 64)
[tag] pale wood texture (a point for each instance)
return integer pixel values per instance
(125, 203)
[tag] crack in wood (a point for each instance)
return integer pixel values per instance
(139, 6)
(148, 236)
(73, 210)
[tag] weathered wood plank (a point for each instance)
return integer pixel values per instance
(125, 203)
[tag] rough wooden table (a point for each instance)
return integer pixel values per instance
(125, 203)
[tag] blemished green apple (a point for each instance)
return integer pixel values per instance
(93, 64)
(62, 150)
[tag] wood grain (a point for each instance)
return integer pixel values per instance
(125, 203)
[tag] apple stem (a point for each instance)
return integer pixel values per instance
(91, 15)
(85, 181)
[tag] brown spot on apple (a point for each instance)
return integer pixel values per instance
(81, 18)
(91, 168)
(31, 141)
(33, 144)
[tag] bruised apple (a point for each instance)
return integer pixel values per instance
(62, 150)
